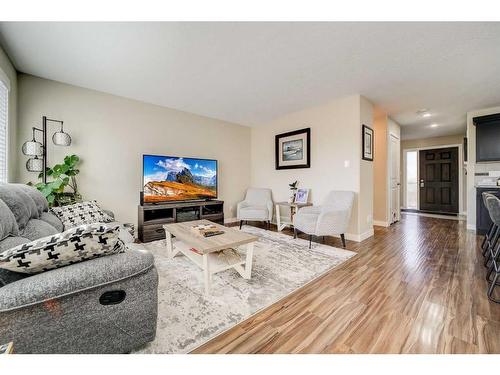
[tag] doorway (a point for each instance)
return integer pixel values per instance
(438, 180)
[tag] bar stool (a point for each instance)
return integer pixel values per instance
(493, 206)
(492, 232)
(494, 235)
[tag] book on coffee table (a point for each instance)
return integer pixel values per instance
(206, 230)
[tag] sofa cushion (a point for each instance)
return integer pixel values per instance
(8, 224)
(65, 281)
(40, 201)
(6, 276)
(255, 212)
(81, 213)
(53, 220)
(72, 246)
(10, 242)
(125, 234)
(36, 229)
(20, 203)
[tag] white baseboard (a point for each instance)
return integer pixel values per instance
(348, 236)
(360, 237)
(379, 223)
(471, 227)
(367, 234)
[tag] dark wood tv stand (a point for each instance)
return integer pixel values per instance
(152, 217)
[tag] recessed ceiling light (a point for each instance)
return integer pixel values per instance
(433, 125)
(426, 114)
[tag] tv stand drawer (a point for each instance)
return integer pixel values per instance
(152, 218)
(153, 232)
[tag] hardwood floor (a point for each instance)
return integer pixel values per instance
(416, 287)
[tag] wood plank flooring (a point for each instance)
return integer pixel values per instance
(416, 287)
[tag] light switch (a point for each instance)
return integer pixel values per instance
(347, 163)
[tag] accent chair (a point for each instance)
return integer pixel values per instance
(257, 206)
(329, 219)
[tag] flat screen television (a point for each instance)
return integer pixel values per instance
(171, 179)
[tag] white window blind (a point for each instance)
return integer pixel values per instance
(4, 105)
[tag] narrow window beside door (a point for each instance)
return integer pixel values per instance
(4, 97)
(411, 180)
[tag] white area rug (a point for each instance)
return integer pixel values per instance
(188, 319)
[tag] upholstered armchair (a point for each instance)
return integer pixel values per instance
(257, 206)
(329, 219)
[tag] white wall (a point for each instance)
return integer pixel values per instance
(365, 197)
(8, 69)
(111, 133)
(335, 140)
(472, 166)
(394, 128)
(380, 170)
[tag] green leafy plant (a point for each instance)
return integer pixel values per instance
(63, 176)
(293, 188)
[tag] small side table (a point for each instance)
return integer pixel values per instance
(283, 221)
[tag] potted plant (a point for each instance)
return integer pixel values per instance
(293, 188)
(63, 176)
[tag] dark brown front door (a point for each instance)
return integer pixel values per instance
(439, 180)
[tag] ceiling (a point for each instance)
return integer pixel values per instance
(250, 73)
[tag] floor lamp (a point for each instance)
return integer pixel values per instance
(38, 150)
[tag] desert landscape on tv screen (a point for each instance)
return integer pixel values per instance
(176, 179)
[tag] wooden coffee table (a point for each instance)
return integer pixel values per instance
(204, 255)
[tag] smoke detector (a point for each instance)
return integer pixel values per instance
(424, 112)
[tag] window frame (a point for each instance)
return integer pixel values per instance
(4, 81)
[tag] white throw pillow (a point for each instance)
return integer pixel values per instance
(59, 250)
(78, 214)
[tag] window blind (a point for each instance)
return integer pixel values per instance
(4, 105)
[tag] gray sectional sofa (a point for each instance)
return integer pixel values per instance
(103, 305)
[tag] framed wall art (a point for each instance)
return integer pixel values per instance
(367, 147)
(293, 149)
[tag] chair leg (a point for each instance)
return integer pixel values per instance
(294, 232)
(491, 288)
(491, 244)
(241, 223)
(485, 238)
(342, 237)
(310, 239)
(495, 258)
(491, 232)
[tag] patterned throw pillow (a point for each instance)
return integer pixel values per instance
(81, 213)
(72, 246)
